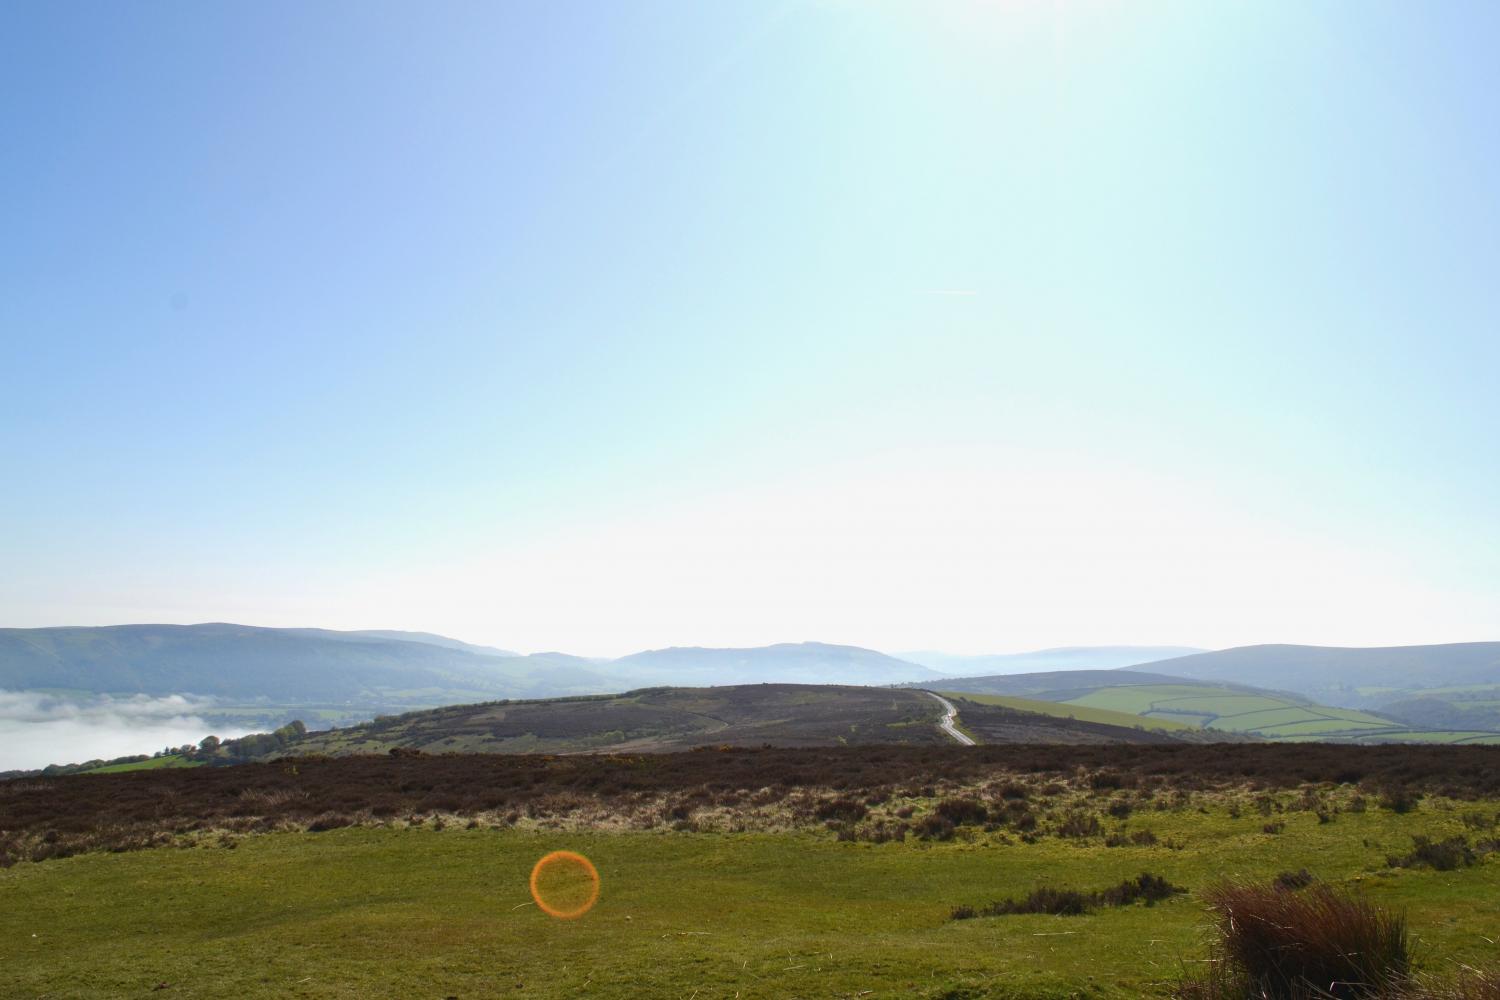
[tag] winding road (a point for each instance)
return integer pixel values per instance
(949, 717)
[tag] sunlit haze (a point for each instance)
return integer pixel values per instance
(969, 327)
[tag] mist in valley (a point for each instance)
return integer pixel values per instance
(38, 729)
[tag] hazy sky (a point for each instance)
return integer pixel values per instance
(601, 326)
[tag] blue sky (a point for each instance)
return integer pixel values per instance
(605, 326)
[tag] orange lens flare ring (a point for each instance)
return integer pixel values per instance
(567, 859)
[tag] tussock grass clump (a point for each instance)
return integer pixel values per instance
(1311, 945)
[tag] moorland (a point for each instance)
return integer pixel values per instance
(838, 871)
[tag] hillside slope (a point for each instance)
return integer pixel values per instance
(658, 719)
(652, 719)
(288, 666)
(389, 670)
(1355, 676)
(1228, 708)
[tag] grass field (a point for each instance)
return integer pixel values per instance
(1268, 715)
(423, 912)
(1067, 710)
(152, 764)
(435, 904)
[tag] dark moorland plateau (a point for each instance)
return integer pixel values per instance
(57, 816)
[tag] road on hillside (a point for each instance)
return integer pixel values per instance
(948, 718)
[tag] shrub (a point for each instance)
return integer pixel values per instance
(843, 810)
(1399, 799)
(1058, 902)
(1014, 790)
(1119, 809)
(1477, 820)
(1063, 902)
(935, 827)
(1146, 887)
(963, 812)
(1079, 824)
(1443, 856)
(1290, 881)
(1276, 827)
(1300, 945)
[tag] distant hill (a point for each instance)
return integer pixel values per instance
(795, 663)
(288, 666)
(430, 638)
(1342, 672)
(1450, 688)
(658, 719)
(1214, 705)
(1061, 658)
(652, 719)
(388, 670)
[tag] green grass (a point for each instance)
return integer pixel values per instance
(169, 760)
(1271, 716)
(1066, 710)
(392, 912)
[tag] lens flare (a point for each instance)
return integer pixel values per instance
(565, 885)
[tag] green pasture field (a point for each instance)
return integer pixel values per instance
(168, 760)
(1269, 716)
(414, 911)
(1070, 710)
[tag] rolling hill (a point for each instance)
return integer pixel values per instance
(283, 666)
(1450, 688)
(242, 665)
(1083, 713)
(1334, 673)
(652, 719)
(658, 719)
(1229, 708)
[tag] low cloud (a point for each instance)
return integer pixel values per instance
(38, 729)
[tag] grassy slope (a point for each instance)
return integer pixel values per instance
(170, 760)
(652, 718)
(1270, 715)
(1062, 710)
(397, 913)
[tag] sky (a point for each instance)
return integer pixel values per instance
(599, 327)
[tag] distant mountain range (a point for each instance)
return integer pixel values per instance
(353, 674)
(241, 663)
(1344, 672)
(1061, 658)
